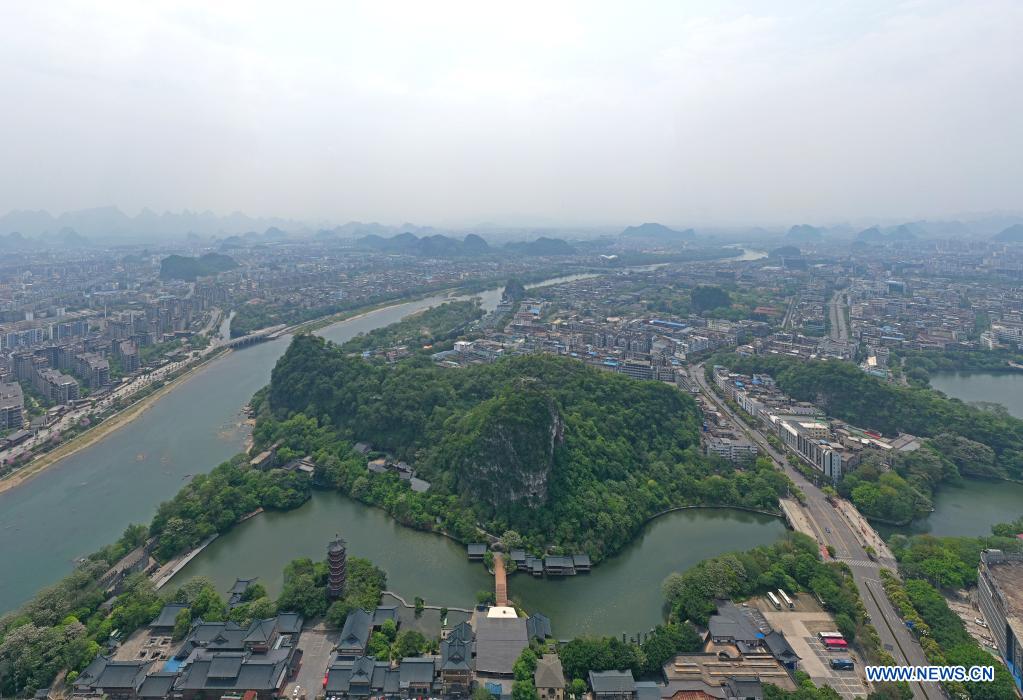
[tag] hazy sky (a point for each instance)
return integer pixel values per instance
(590, 112)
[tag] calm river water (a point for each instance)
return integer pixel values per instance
(620, 595)
(88, 499)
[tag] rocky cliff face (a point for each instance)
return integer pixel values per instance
(506, 448)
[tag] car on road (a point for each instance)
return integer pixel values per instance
(980, 622)
(827, 530)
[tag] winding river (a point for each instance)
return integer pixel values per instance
(86, 500)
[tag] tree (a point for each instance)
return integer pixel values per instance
(706, 298)
(420, 605)
(337, 613)
(182, 624)
(408, 643)
(665, 642)
(443, 615)
(484, 597)
(481, 693)
(389, 629)
(577, 688)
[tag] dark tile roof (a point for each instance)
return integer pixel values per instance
(261, 631)
(549, 673)
(235, 671)
(168, 615)
(91, 672)
(355, 633)
(499, 641)
(455, 654)
(289, 623)
(612, 682)
(122, 674)
(157, 685)
(463, 631)
(779, 646)
(384, 613)
(733, 623)
(648, 690)
(744, 688)
(538, 626)
(415, 671)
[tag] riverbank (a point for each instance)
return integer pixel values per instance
(100, 431)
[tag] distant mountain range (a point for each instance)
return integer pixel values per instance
(435, 246)
(657, 233)
(440, 246)
(111, 224)
(1013, 234)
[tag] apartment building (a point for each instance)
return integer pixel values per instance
(1000, 594)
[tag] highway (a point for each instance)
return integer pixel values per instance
(839, 330)
(834, 529)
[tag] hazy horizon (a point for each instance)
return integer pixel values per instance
(573, 115)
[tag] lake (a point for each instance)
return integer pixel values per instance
(622, 594)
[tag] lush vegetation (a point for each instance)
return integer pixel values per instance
(212, 503)
(706, 298)
(438, 323)
(951, 562)
(180, 267)
(529, 443)
(792, 564)
(846, 392)
(305, 589)
(585, 654)
(918, 365)
(944, 638)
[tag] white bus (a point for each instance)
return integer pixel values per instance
(788, 601)
(774, 600)
(830, 635)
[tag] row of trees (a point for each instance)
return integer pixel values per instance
(944, 638)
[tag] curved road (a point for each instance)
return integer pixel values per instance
(833, 529)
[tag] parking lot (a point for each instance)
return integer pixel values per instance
(317, 645)
(800, 627)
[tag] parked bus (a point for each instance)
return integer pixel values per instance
(788, 601)
(833, 635)
(774, 600)
(842, 664)
(832, 644)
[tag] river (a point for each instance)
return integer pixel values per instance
(622, 594)
(971, 507)
(86, 500)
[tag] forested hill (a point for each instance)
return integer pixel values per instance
(561, 452)
(846, 392)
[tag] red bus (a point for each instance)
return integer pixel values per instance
(832, 643)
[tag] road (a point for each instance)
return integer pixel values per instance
(839, 330)
(125, 390)
(834, 529)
